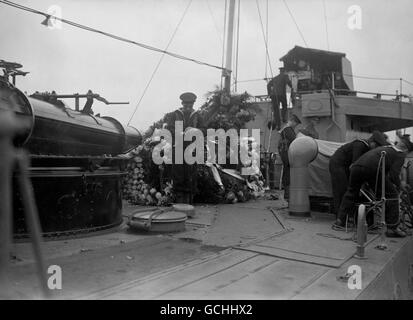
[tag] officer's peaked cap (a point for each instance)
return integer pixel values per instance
(188, 97)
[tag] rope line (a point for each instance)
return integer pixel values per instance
(325, 21)
(237, 47)
(214, 21)
(110, 35)
(296, 24)
(408, 82)
(223, 42)
(265, 40)
(160, 60)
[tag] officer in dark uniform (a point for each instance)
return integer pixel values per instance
(340, 162)
(276, 89)
(184, 175)
(367, 169)
(287, 135)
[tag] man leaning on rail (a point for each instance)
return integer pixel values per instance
(368, 169)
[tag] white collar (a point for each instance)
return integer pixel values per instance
(396, 148)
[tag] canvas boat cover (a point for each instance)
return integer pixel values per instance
(320, 181)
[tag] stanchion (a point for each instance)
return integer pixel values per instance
(7, 129)
(11, 159)
(383, 245)
(361, 232)
(32, 217)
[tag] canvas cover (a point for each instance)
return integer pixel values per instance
(320, 181)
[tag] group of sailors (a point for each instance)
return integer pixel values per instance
(360, 162)
(353, 165)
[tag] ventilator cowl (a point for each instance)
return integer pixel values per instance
(303, 150)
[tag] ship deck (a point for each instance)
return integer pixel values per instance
(252, 250)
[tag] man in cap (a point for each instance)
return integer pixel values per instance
(184, 175)
(368, 169)
(344, 157)
(276, 89)
(287, 135)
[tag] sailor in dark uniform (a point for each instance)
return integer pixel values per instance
(184, 175)
(276, 89)
(367, 169)
(340, 162)
(287, 135)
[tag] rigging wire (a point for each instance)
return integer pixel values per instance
(223, 42)
(325, 21)
(295, 22)
(379, 78)
(237, 47)
(266, 39)
(160, 60)
(214, 21)
(408, 82)
(263, 34)
(110, 35)
(252, 80)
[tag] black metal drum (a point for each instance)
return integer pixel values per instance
(76, 167)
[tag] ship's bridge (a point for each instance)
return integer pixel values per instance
(325, 98)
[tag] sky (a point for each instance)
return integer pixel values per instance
(71, 60)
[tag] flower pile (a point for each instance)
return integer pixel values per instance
(140, 185)
(149, 184)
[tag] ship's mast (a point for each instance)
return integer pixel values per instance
(230, 38)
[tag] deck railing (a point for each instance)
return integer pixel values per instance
(343, 92)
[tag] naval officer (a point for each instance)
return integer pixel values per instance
(184, 175)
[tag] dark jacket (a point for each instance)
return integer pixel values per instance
(287, 136)
(350, 152)
(394, 162)
(277, 85)
(189, 119)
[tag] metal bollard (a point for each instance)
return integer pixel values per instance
(361, 232)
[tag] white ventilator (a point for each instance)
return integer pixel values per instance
(302, 151)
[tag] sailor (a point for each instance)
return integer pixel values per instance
(276, 89)
(184, 175)
(340, 162)
(287, 135)
(367, 169)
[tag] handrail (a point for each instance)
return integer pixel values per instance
(376, 95)
(338, 92)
